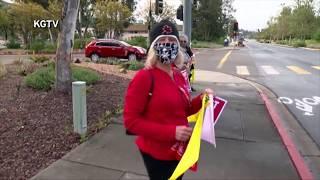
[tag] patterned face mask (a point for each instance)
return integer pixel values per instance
(167, 52)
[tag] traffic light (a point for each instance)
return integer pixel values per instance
(195, 3)
(159, 7)
(180, 13)
(235, 26)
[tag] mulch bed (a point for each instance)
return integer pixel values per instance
(36, 127)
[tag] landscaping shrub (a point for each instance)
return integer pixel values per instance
(82, 74)
(132, 65)
(3, 70)
(44, 77)
(12, 44)
(50, 48)
(299, 43)
(138, 41)
(37, 46)
(39, 59)
(316, 35)
(205, 44)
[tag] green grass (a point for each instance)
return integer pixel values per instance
(313, 44)
(204, 44)
(132, 65)
(44, 77)
(82, 74)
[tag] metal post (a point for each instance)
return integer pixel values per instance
(79, 107)
(187, 18)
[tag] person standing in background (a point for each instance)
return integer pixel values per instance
(189, 57)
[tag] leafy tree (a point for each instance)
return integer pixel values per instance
(86, 17)
(300, 22)
(227, 15)
(4, 22)
(22, 15)
(54, 12)
(111, 18)
(43, 3)
(208, 20)
(130, 4)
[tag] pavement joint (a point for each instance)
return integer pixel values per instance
(242, 125)
(235, 139)
(93, 165)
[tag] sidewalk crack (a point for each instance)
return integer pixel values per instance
(93, 165)
(242, 124)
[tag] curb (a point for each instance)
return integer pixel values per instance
(295, 156)
(298, 161)
(311, 49)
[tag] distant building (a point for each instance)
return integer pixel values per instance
(135, 30)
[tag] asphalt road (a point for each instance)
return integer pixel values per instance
(293, 74)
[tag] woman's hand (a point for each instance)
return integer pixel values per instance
(207, 91)
(183, 133)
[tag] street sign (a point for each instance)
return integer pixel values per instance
(218, 106)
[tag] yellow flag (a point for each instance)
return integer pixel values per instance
(191, 155)
(192, 75)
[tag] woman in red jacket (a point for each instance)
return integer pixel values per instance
(157, 104)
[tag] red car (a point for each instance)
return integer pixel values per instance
(113, 48)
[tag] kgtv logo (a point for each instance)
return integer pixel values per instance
(45, 23)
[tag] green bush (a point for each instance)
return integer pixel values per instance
(81, 43)
(50, 48)
(132, 65)
(204, 44)
(44, 78)
(39, 59)
(12, 44)
(283, 42)
(138, 41)
(82, 74)
(298, 43)
(316, 35)
(37, 45)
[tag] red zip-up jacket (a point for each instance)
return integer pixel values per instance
(154, 119)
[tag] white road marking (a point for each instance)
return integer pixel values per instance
(242, 70)
(270, 70)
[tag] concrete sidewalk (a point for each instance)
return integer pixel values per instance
(248, 144)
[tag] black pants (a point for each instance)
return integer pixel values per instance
(158, 169)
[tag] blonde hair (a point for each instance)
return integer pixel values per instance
(153, 59)
(184, 37)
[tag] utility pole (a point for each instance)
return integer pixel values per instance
(187, 18)
(149, 23)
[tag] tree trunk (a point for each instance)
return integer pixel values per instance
(65, 45)
(50, 34)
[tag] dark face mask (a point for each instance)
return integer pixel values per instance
(167, 52)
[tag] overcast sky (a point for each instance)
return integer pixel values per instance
(253, 14)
